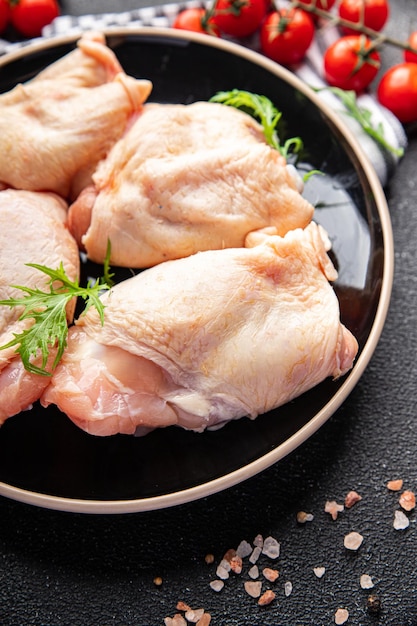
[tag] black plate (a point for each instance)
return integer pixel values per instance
(47, 461)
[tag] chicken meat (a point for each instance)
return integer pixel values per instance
(210, 338)
(31, 231)
(56, 127)
(183, 179)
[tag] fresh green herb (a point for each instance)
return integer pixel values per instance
(48, 310)
(364, 117)
(262, 109)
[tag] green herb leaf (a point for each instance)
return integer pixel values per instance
(48, 310)
(262, 109)
(364, 117)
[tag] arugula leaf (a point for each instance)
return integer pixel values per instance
(48, 310)
(364, 117)
(262, 109)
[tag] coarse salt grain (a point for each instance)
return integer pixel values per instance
(333, 508)
(303, 517)
(244, 549)
(267, 597)
(271, 548)
(353, 541)
(366, 581)
(288, 588)
(182, 606)
(319, 571)
(217, 585)
(254, 572)
(236, 564)
(341, 616)
(258, 541)
(193, 615)
(204, 620)
(178, 620)
(209, 559)
(253, 588)
(352, 498)
(401, 521)
(395, 485)
(270, 574)
(407, 500)
(256, 553)
(222, 572)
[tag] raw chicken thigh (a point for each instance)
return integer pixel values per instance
(186, 178)
(31, 231)
(55, 128)
(206, 339)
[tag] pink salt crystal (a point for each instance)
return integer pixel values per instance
(288, 588)
(178, 620)
(395, 485)
(253, 588)
(366, 582)
(254, 572)
(270, 574)
(341, 616)
(244, 549)
(352, 498)
(193, 615)
(319, 571)
(401, 521)
(353, 541)
(204, 620)
(258, 541)
(236, 564)
(407, 500)
(271, 548)
(303, 517)
(217, 585)
(266, 598)
(333, 508)
(255, 555)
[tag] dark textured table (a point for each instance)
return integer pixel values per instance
(85, 570)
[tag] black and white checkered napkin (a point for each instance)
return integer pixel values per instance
(310, 71)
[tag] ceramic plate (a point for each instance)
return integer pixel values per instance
(47, 461)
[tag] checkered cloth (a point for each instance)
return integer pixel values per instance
(310, 71)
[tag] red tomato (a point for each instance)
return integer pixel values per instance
(286, 35)
(196, 20)
(349, 63)
(411, 57)
(4, 15)
(397, 91)
(239, 18)
(373, 13)
(30, 16)
(324, 5)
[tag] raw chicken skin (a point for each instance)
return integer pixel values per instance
(206, 339)
(185, 178)
(55, 128)
(31, 231)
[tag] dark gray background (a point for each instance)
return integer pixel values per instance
(84, 570)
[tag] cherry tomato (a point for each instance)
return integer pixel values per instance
(239, 18)
(4, 15)
(397, 91)
(286, 35)
(374, 13)
(30, 16)
(196, 20)
(350, 64)
(324, 5)
(411, 57)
